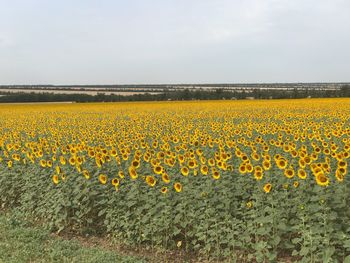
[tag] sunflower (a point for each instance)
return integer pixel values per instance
(307, 160)
(178, 187)
(72, 160)
(79, 160)
(16, 157)
(86, 174)
(249, 167)
(339, 175)
(158, 169)
(55, 179)
(211, 162)
(160, 155)
(267, 188)
(117, 159)
(132, 173)
(58, 169)
(258, 168)
(249, 204)
(302, 174)
(49, 163)
(98, 162)
(102, 178)
(242, 168)
(150, 180)
(185, 171)
(266, 165)
(199, 152)
(43, 163)
(342, 170)
(135, 164)
(9, 164)
(321, 179)
(282, 163)
(216, 175)
(72, 151)
(316, 170)
(255, 156)
(164, 190)
(342, 164)
(121, 174)
(171, 162)
(296, 184)
(165, 178)
(191, 164)
(204, 169)
(294, 153)
(245, 158)
(115, 182)
(219, 164)
(181, 158)
(146, 158)
(302, 163)
(286, 148)
(276, 157)
(289, 173)
(258, 175)
(267, 157)
(63, 160)
(113, 152)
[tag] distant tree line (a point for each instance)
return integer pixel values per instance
(185, 94)
(314, 85)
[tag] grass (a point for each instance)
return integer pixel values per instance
(20, 243)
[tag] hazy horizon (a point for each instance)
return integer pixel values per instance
(173, 42)
(188, 83)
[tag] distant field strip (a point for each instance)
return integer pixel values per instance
(75, 91)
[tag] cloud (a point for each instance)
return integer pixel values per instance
(5, 41)
(174, 41)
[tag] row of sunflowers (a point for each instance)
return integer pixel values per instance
(236, 180)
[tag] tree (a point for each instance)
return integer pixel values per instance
(345, 90)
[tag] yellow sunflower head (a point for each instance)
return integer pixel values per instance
(321, 179)
(55, 179)
(102, 178)
(185, 171)
(115, 182)
(164, 190)
(267, 188)
(178, 187)
(150, 180)
(289, 173)
(165, 178)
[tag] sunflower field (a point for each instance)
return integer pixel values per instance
(231, 180)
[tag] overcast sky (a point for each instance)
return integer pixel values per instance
(174, 41)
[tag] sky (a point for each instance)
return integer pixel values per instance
(174, 41)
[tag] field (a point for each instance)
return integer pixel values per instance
(75, 91)
(241, 181)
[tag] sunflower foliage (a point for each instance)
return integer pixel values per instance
(239, 181)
